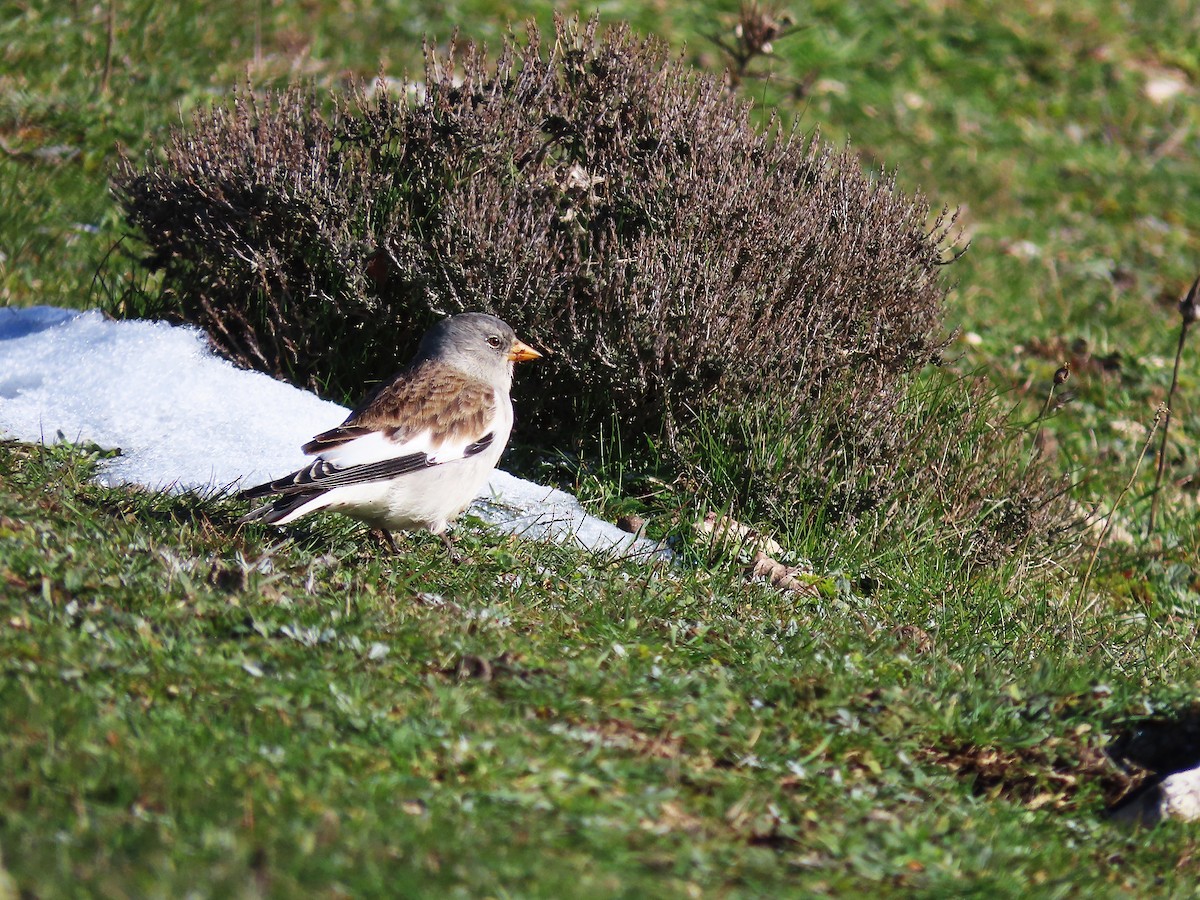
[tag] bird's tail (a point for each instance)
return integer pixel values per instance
(281, 509)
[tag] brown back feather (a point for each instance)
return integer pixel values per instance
(427, 396)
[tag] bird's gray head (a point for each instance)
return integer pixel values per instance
(476, 344)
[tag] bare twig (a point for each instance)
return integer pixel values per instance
(1159, 414)
(1187, 312)
(110, 39)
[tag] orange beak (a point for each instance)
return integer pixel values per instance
(521, 352)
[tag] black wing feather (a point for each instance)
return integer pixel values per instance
(323, 476)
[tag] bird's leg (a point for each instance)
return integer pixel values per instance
(454, 555)
(386, 537)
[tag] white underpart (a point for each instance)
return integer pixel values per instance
(405, 502)
(429, 498)
(185, 420)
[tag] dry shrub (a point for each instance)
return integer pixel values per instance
(617, 208)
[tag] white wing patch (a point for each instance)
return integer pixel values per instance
(378, 447)
(375, 447)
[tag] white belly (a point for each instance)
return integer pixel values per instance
(427, 499)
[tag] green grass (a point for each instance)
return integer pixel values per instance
(190, 706)
(193, 706)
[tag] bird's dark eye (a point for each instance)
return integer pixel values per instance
(494, 341)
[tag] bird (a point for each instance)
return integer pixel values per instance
(420, 447)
